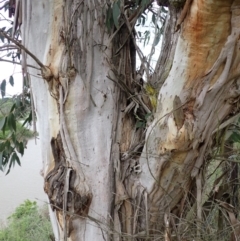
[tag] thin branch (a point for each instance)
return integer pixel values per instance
(9, 45)
(24, 48)
(7, 48)
(9, 61)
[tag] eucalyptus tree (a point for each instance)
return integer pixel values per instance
(125, 150)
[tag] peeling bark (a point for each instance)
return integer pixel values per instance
(106, 178)
(200, 76)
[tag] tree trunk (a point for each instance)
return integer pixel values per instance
(107, 179)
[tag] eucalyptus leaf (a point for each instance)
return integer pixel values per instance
(2, 37)
(109, 19)
(13, 108)
(17, 158)
(2, 122)
(20, 148)
(3, 88)
(235, 137)
(12, 122)
(154, 18)
(116, 13)
(11, 80)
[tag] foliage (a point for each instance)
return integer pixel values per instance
(15, 113)
(27, 223)
(13, 133)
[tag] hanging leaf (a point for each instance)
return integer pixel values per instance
(2, 37)
(12, 122)
(154, 19)
(157, 38)
(28, 119)
(2, 146)
(14, 138)
(146, 37)
(116, 13)
(20, 147)
(2, 122)
(7, 146)
(13, 108)
(11, 80)
(16, 158)
(143, 20)
(10, 165)
(109, 19)
(3, 88)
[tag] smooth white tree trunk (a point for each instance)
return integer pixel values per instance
(89, 122)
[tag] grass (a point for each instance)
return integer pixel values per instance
(27, 223)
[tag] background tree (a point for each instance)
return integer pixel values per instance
(124, 161)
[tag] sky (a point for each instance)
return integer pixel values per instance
(8, 69)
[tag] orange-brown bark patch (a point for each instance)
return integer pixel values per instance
(206, 29)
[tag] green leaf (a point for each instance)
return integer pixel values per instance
(20, 148)
(11, 80)
(28, 119)
(7, 146)
(10, 165)
(14, 140)
(15, 156)
(140, 124)
(12, 122)
(18, 160)
(13, 108)
(148, 115)
(116, 13)
(109, 19)
(3, 88)
(2, 146)
(2, 122)
(235, 137)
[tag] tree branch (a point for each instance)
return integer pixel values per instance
(22, 47)
(9, 61)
